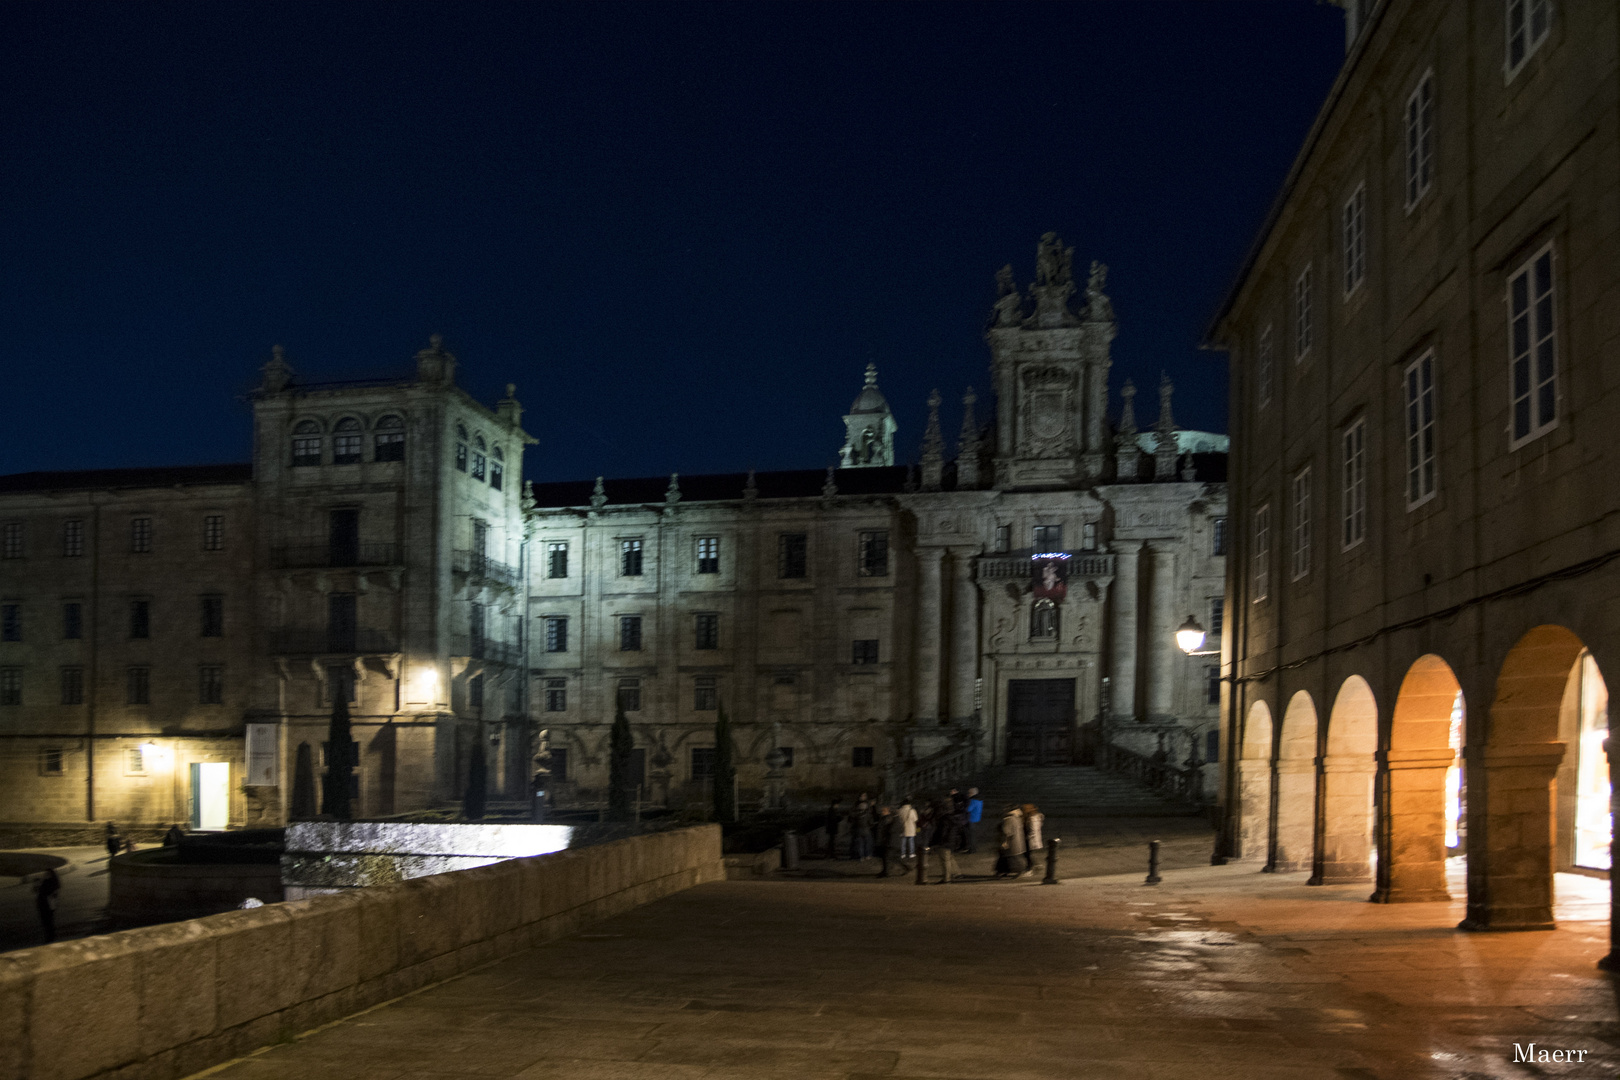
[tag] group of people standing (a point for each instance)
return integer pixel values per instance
(946, 826)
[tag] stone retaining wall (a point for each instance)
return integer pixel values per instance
(154, 886)
(166, 1001)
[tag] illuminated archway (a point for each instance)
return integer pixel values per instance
(1348, 770)
(1296, 787)
(1412, 786)
(1254, 784)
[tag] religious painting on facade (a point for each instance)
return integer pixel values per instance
(1050, 580)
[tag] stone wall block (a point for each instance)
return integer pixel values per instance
(379, 919)
(16, 984)
(533, 888)
(253, 963)
(84, 1017)
(175, 966)
(327, 931)
(427, 926)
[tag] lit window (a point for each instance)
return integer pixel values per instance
(213, 616)
(1302, 314)
(705, 694)
(1262, 369)
(556, 634)
(1043, 619)
(134, 761)
(346, 442)
(1355, 240)
(1527, 24)
(792, 555)
(213, 532)
(556, 560)
(1419, 393)
(306, 444)
(1262, 553)
(139, 686)
(1218, 537)
(1354, 493)
(708, 555)
(73, 539)
(1420, 140)
(11, 686)
(874, 554)
(10, 622)
(1532, 356)
(861, 757)
(556, 700)
(629, 633)
(140, 535)
(865, 651)
(389, 442)
(1302, 523)
(73, 686)
(630, 695)
(706, 626)
(630, 558)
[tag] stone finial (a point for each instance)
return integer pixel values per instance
(750, 489)
(1165, 448)
(598, 495)
(672, 494)
(277, 372)
(509, 408)
(933, 447)
(1127, 455)
(830, 488)
(967, 444)
(871, 375)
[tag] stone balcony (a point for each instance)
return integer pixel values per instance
(1083, 565)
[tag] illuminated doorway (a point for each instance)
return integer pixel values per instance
(1592, 818)
(210, 795)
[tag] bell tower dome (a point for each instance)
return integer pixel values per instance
(869, 428)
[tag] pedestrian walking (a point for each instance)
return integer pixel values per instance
(1033, 842)
(45, 892)
(975, 814)
(884, 835)
(944, 839)
(835, 818)
(861, 821)
(906, 821)
(1011, 862)
(114, 842)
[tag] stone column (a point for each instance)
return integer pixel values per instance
(1518, 846)
(1254, 809)
(1347, 785)
(928, 630)
(1125, 593)
(964, 638)
(1163, 652)
(1412, 826)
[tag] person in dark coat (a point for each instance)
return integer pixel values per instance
(835, 818)
(115, 843)
(945, 838)
(886, 834)
(860, 830)
(45, 892)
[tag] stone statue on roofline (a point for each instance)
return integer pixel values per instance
(1098, 307)
(1054, 263)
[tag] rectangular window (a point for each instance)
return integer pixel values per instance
(340, 680)
(1212, 685)
(1212, 746)
(556, 633)
(213, 532)
(140, 535)
(72, 621)
(1217, 617)
(1527, 24)
(1419, 393)
(874, 553)
(306, 451)
(1420, 140)
(497, 475)
(865, 651)
(461, 457)
(1218, 537)
(629, 633)
(559, 764)
(1262, 553)
(1043, 619)
(342, 622)
(705, 693)
(480, 538)
(630, 695)
(1003, 539)
(860, 757)
(1355, 239)
(50, 761)
(475, 691)
(556, 699)
(1532, 355)
(213, 616)
(556, 560)
(11, 686)
(706, 627)
(134, 761)
(1048, 538)
(1302, 314)
(389, 446)
(1354, 494)
(708, 555)
(702, 763)
(629, 558)
(346, 449)
(211, 685)
(1302, 523)
(1088, 536)
(477, 465)
(73, 686)
(73, 539)
(140, 618)
(10, 622)
(140, 686)
(1262, 369)
(792, 555)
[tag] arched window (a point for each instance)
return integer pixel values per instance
(1043, 620)
(461, 447)
(390, 439)
(478, 457)
(497, 469)
(478, 441)
(306, 444)
(346, 442)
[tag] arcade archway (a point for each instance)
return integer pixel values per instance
(1348, 770)
(1295, 846)
(1412, 786)
(1254, 784)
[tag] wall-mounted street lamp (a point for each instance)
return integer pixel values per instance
(1190, 636)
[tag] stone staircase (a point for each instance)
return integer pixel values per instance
(1074, 791)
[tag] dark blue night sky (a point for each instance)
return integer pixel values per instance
(682, 231)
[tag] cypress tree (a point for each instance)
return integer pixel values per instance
(725, 769)
(621, 785)
(303, 790)
(476, 799)
(335, 801)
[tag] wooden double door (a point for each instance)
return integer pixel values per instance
(1040, 722)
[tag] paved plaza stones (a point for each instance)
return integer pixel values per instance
(1219, 972)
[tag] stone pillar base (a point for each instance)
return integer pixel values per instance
(1390, 895)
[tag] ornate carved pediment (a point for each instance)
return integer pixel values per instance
(1048, 406)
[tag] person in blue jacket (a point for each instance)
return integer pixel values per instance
(975, 814)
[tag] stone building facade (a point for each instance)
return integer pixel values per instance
(172, 637)
(1423, 344)
(876, 614)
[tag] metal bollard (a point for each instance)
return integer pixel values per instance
(1051, 877)
(1153, 877)
(922, 866)
(790, 850)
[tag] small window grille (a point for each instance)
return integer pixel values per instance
(73, 539)
(556, 634)
(702, 763)
(10, 686)
(792, 555)
(477, 466)
(10, 622)
(630, 633)
(556, 560)
(865, 651)
(140, 535)
(630, 558)
(708, 555)
(134, 761)
(874, 553)
(211, 684)
(705, 694)
(706, 626)
(213, 532)
(140, 685)
(630, 695)
(1217, 617)
(556, 699)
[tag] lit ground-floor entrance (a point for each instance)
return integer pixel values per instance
(210, 794)
(1040, 722)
